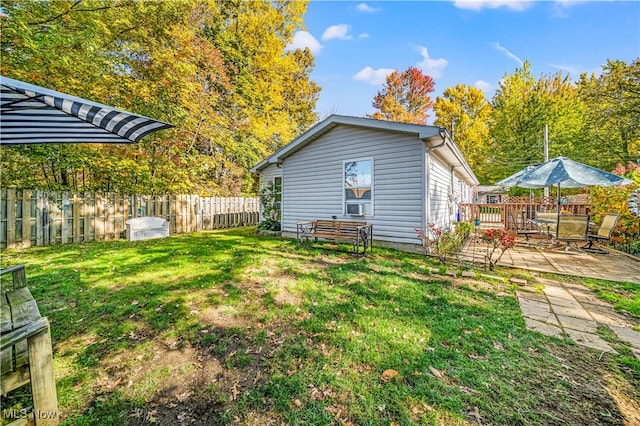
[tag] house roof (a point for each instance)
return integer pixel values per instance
(490, 189)
(429, 134)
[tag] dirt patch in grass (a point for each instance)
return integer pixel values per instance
(585, 393)
(222, 316)
(203, 384)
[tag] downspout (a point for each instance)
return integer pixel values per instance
(279, 166)
(443, 134)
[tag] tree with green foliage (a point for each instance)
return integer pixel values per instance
(612, 116)
(465, 111)
(522, 106)
(404, 97)
(218, 70)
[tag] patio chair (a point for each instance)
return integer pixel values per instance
(602, 234)
(524, 227)
(572, 228)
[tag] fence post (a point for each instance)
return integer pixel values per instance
(26, 218)
(75, 217)
(11, 217)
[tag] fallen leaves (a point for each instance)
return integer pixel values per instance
(474, 356)
(439, 374)
(475, 413)
(235, 392)
(388, 375)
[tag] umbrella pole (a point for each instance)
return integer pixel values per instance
(558, 210)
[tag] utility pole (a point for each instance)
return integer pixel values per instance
(546, 153)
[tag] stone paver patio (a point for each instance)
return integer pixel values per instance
(570, 309)
(614, 266)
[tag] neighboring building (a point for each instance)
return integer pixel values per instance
(490, 194)
(397, 176)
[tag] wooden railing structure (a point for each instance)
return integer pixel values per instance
(40, 218)
(497, 215)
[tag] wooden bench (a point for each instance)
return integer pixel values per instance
(146, 227)
(358, 233)
(25, 349)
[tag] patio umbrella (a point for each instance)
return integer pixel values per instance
(514, 179)
(31, 114)
(562, 172)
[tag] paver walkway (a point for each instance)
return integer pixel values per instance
(574, 310)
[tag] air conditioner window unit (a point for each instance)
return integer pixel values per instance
(355, 209)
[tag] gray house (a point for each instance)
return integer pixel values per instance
(396, 176)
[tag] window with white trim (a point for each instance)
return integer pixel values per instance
(358, 187)
(277, 189)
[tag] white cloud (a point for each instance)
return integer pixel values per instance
(484, 86)
(569, 3)
(363, 7)
(561, 7)
(340, 31)
(371, 76)
(431, 67)
(574, 71)
(569, 69)
(504, 50)
(363, 35)
(302, 39)
(517, 5)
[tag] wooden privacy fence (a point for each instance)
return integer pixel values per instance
(39, 218)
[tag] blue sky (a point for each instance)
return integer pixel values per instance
(356, 44)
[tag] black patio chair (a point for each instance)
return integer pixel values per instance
(525, 227)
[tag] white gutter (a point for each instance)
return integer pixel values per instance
(428, 173)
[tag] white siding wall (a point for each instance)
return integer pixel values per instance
(269, 173)
(313, 181)
(439, 182)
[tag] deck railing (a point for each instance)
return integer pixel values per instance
(497, 215)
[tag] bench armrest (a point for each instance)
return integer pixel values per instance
(305, 229)
(22, 333)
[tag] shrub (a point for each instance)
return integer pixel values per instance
(270, 208)
(499, 240)
(615, 199)
(444, 243)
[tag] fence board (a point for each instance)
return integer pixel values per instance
(11, 212)
(39, 218)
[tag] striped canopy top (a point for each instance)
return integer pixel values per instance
(31, 114)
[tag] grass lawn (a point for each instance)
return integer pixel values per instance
(228, 327)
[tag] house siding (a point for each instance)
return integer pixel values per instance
(313, 181)
(438, 181)
(447, 191)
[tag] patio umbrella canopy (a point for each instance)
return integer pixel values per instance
(30, 114)
(562, 172)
